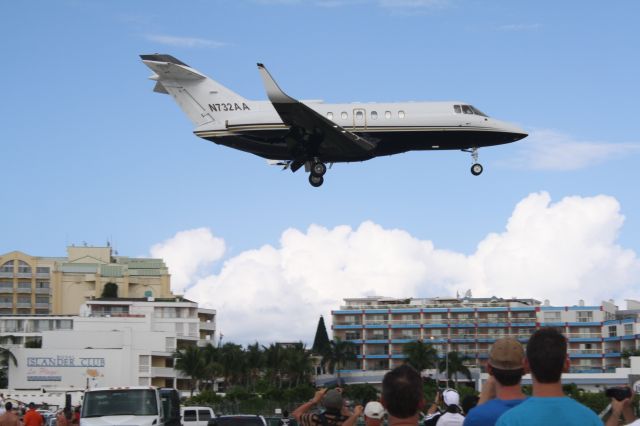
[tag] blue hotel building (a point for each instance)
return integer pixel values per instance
(380, 327)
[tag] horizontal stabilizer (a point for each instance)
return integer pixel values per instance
(169, 68)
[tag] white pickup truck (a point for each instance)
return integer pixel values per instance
(125, 406)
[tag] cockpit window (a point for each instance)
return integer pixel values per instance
(476, 111)
(468, 109)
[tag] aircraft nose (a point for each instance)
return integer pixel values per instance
(514, 133)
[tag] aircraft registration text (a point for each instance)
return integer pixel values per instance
(229, 107)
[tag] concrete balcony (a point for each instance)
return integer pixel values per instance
(6, 274)
(23, 305)
(5, 290)
(163, 372)
(40, 290)
(23, 290)
(211, 326)
(42, 305)
(4, 305)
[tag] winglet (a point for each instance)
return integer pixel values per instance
(274, 92)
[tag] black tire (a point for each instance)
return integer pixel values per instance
(316, 181)
(318, 169)
(476, 169)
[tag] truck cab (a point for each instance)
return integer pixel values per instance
(130, 406)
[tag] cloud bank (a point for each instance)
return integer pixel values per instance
(561, 251)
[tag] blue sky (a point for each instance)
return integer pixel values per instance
(90, 153)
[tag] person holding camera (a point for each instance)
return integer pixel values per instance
(621, 406)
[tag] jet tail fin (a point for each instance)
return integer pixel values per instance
(198, 95)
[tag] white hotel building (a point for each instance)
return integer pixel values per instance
(113, 342)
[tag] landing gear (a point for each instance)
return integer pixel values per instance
(476, 168)
(317, 170)
(315, 180)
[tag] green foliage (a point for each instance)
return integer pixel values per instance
(238, 393)
(430, 388)
(361, 393)
(420, 355)
(204, 398)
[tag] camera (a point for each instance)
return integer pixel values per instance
(619, 393)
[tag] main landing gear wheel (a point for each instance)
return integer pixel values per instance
(315, 181)
(318, 169)
(476, 169)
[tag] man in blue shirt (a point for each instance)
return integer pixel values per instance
(502, 391)
(547, 359)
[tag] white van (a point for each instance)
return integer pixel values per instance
(196, 416)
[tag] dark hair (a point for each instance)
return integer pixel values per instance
(8, 406)
(507, 377)
(546, 353)
(468, 402)
(402, 391)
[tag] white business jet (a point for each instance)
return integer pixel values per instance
(292, 133)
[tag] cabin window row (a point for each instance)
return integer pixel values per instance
(359, 115)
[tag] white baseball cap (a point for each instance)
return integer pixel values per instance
(451, 397)
(374, 410)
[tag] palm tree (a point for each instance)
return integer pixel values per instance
(340, 352)
(189, 361)
(255, 362)
(454, 363)
(297, 363)
(274, 358)
(212, 366)
(421, 355)
(233, 360)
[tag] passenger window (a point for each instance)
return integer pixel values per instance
(457, 109)
(374, 115)
(330, 115)
(344, 115)
(359, 115)
(204, 414)
(387, 114)
(400, 114)
(466, 109)
(190, 416)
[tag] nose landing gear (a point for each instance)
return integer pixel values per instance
(476, 168)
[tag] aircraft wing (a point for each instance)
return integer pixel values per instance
(335, 139)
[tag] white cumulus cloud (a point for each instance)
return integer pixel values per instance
(563, 251)
(188, 254)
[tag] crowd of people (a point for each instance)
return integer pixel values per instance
(11, 415)
(502, 401)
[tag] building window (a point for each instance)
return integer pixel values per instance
(374, 115)
(330, 115)
(23, 268)
(344, 115)
(613, 331)
(584, 316)
(42, 270)
(64, 324)
(144, 363)
(552, 317)
(387, 114)
(628, 329)
(7, 267)
(42, 284)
